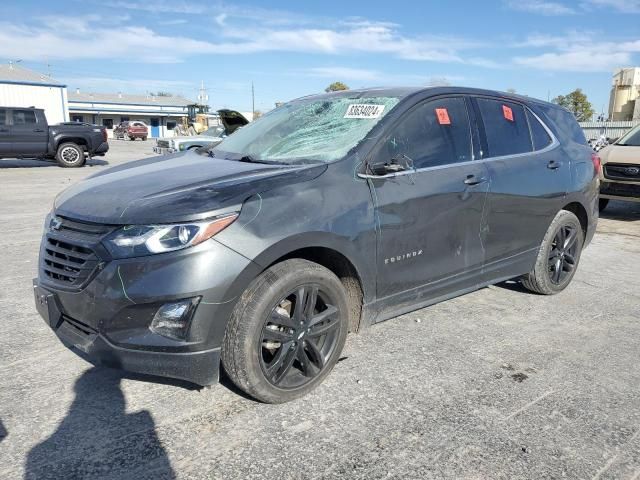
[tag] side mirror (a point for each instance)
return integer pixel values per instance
(398, 163)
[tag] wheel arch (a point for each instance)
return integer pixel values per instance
(581, 212)
(81, 142)
(333, 253)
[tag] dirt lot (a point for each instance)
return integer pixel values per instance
(496, 384)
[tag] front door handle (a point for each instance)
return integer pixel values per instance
(553, 165)
(38, 130)
(473, 180)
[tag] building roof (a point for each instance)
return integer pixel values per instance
(127, 99)
(13, 73)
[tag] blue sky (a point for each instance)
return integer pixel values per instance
(293, 48)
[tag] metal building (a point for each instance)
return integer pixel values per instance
(159, 113)
(21, 87)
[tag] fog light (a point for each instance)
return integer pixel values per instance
(172, 319)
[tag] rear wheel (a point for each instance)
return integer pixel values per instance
(602, 203)
(287, 331)
(125, 136)
(70, 155)
(144, 139)
(558, 256)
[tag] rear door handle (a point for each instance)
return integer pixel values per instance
(39, 130)
(473, 180)
(553, 165)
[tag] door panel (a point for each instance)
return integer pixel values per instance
(29, 138)
(527, 188)
(430, 218)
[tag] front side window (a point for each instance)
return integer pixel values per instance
(506, 127)
(315, 129)
(434, 133)
(107, 123)
(24, 117)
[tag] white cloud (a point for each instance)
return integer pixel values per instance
(624, 6)
(108, 84)
(577, 52)
(541, 7)
(92, 37)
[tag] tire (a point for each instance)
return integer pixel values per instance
(555, 267)
(125, 136)
(133, 139)
(602, 203)
(70, 155)
(262, 332)
(144, 139)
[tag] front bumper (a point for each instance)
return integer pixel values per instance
(626, 191)
(109, 318)
(164, 150)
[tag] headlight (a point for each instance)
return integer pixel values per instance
(139, 240)
(181, 147)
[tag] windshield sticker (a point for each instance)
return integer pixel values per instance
(443, 116)
(362, 110)
(507, 112)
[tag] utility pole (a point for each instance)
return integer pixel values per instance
(253, 102)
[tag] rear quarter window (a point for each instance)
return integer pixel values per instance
(566, 126)
(506, 127)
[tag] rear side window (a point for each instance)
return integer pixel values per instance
(435, 133)
(24, 117)
(565, 122)
(3, 116)
(506, 127)
(541, 139)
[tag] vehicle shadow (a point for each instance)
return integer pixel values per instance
(35, 163)
(624, 211)
(3, 432)
(97, 438)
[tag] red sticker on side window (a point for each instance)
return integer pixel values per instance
(507, 112)
(443, 116)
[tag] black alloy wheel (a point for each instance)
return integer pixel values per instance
(298, 337)
(562, 257)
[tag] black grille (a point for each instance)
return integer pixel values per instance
(68, 255)
(163, 143)
(621, 171)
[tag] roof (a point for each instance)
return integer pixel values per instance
(127, 99)
(404, 92)
(17, 74)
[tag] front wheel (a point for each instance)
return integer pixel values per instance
(558, 256)
(70, 155)
(287, 331)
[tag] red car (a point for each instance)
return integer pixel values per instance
(131, 131)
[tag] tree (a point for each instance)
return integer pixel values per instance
(336, 86)
(257, 114)
(162, 94)
(577, 103)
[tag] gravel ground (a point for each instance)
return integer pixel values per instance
(499, 383)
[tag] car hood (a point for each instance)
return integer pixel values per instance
(232, 120)
(180, 187)
(620, 154)
(204, 138)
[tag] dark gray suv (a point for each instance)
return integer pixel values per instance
(325, 216)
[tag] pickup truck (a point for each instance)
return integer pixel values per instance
(25, 133)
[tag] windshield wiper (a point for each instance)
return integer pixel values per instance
(250, 159)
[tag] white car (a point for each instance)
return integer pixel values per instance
(231, 121)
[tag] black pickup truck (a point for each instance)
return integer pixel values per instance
(25, 133)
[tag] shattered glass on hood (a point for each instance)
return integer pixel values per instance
(314, 129)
